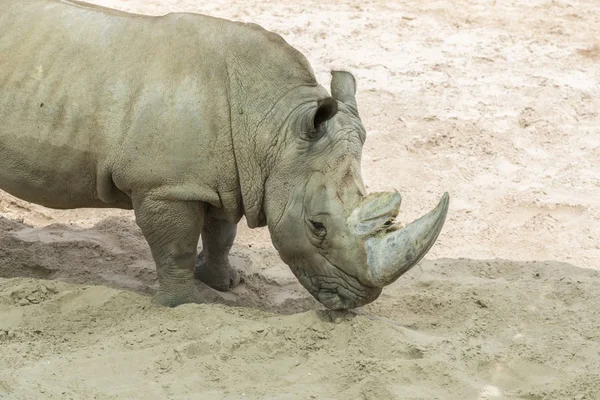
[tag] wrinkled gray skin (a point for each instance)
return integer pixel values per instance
(194, 122)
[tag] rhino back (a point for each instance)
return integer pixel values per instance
(96, 104)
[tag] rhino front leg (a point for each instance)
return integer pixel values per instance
(172, 230)
(212, 265)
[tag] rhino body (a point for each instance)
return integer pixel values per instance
(194, 122)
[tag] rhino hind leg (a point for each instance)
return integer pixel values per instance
(172, 230)
(212, 265)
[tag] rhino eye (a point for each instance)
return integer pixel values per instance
(318, 228)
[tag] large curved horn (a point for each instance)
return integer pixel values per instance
(394, 251)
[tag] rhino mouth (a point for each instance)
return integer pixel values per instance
(339, 299)
(338, 292)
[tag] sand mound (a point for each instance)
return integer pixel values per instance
(451, 329)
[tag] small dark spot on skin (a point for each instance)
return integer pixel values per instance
(41, 104)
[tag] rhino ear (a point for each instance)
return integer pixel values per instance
(343, 88)
(343, 85)
(326, 109)
(315, 124)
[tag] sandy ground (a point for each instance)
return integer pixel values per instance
(496, 102)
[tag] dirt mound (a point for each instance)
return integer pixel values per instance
(453, 329)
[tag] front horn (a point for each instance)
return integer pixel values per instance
(392, 252)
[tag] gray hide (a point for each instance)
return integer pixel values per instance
(194, 122)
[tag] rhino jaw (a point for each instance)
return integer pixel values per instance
(336, 296)
(393, 251)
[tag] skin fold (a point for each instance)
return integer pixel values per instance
(194, 122)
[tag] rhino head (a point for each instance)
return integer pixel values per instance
(342, 244)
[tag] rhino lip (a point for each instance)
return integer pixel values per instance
(329, 292)
(335, 299)
(332, 300)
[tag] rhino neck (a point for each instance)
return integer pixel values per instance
(263, 72)
(258, 130)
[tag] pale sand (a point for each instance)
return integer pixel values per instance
(496, 102)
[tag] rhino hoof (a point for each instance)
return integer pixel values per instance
(220, 276)
(174, 298)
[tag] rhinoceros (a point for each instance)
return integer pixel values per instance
(195, 122)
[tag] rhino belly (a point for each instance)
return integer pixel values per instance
(52, 176)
